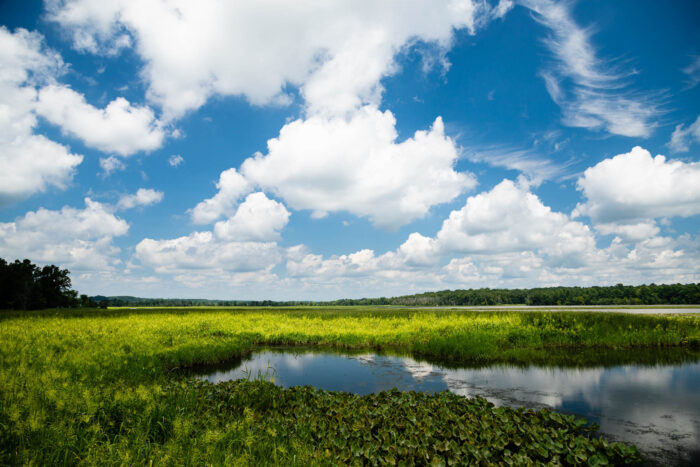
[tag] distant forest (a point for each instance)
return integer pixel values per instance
(673, 294)
(26, 286)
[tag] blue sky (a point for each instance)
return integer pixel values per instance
(345, 149)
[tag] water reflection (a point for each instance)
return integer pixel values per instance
(656, 407)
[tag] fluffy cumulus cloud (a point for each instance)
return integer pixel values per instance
(232, 187)
(502, 237)
(343, 155)
(258, 218)
(119, 128)
(142, 197)
(513, 269)
(204, 251)
(359, 274)
(683, 137)
(507, 227)
(336, 50)
(79, 239)
(590, 94)
(654, 259)
(29, 163)
(303, 263)
(634, 188)
(356, 165)
(630, 231)
(511, 218)
(243, 244)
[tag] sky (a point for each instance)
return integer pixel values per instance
(321, 150)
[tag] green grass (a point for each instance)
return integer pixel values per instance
(106, 386)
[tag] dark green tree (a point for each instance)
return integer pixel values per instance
(25, 286)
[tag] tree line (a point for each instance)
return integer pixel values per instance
(26, 286)
(652, 294)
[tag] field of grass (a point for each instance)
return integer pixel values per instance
(107, 386)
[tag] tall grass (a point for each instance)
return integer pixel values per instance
(105, 387)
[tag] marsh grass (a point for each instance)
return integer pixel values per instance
(106, 386)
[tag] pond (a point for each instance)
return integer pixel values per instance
(656, 407)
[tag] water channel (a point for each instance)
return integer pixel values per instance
(655, 406)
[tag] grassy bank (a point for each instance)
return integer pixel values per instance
(104, 386)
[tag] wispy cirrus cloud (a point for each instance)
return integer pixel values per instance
(693, 72)
(591, 93)
(529, 162)
(684, 136)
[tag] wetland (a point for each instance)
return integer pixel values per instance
(96, 387)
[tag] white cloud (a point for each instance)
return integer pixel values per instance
(418, 250)
(80, 239)
(634, 187)
(204, 252)
(29, 163)
(589, 93)
(25, 59)
(175, 160)
(359, 263)
(503, 7)
(507, 233)
(343, 155)
(693, 72)
(511, 218)
(630, 232)
(111, 164)
(240, 250)
(523, 254)
(258, 218)
(336, 53)
(513, 269)
(142, 197)
(119, 128)
(683, 137)
(232, 187)
(535, 167)
(356, 165)
(655, 259)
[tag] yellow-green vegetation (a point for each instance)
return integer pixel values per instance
(106, 387)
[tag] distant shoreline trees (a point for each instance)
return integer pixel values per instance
(652, 294)
(26, 286)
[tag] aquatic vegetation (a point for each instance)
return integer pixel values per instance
(409, 428)
(106, 386)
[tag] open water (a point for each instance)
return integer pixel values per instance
(656, 407)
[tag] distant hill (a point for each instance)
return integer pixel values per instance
(664, 294)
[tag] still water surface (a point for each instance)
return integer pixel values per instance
(656, 407)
